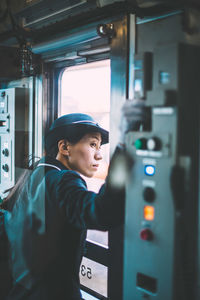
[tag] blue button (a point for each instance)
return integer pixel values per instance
(149, 170)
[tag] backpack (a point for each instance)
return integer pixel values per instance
(5, 272)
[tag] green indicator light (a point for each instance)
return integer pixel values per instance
(138, 144)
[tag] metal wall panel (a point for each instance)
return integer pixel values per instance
(161, 227)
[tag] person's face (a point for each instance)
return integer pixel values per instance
(85, 155)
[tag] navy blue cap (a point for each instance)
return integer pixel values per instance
(72, 124)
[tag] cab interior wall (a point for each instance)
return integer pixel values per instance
(61, 34)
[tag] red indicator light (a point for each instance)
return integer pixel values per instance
(146, 234)
(149, 212)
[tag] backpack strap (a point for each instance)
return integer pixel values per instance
(48, 165)
(5, 272)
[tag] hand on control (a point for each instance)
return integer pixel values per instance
(134, 113)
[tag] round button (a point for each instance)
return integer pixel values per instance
(5, 152)
(140, 143)
(154, 144)
(5, 168)
(149, 194)
(146, 234)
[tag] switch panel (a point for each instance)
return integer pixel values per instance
(14, 112)
(161, 239)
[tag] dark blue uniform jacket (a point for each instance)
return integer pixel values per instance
(47, 230)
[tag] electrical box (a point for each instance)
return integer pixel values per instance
(14, 116)
(161, 219)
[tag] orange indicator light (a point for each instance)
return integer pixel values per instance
(149, 212)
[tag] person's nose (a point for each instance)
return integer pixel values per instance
(98, 155)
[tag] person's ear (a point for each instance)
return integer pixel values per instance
(63, 147)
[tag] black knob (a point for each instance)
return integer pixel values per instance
(5, 168)
(149, 194)
(3, 94)
(5, 152)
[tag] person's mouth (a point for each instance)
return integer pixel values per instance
(95, 166)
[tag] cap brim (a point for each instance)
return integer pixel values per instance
(64, 132)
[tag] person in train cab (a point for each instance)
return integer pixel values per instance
(50, 207)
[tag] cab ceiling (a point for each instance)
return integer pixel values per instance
(34, 21)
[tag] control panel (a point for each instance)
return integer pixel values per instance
(14, 112)
(149, 205)
(161, 213)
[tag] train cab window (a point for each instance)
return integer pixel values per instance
(86, 89)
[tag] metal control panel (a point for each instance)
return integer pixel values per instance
(161, 221)
(13, 134)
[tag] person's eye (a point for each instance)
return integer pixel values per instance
(93, 144)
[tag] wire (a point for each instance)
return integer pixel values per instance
(18, 31)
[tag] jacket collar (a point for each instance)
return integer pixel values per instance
(52, 161)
